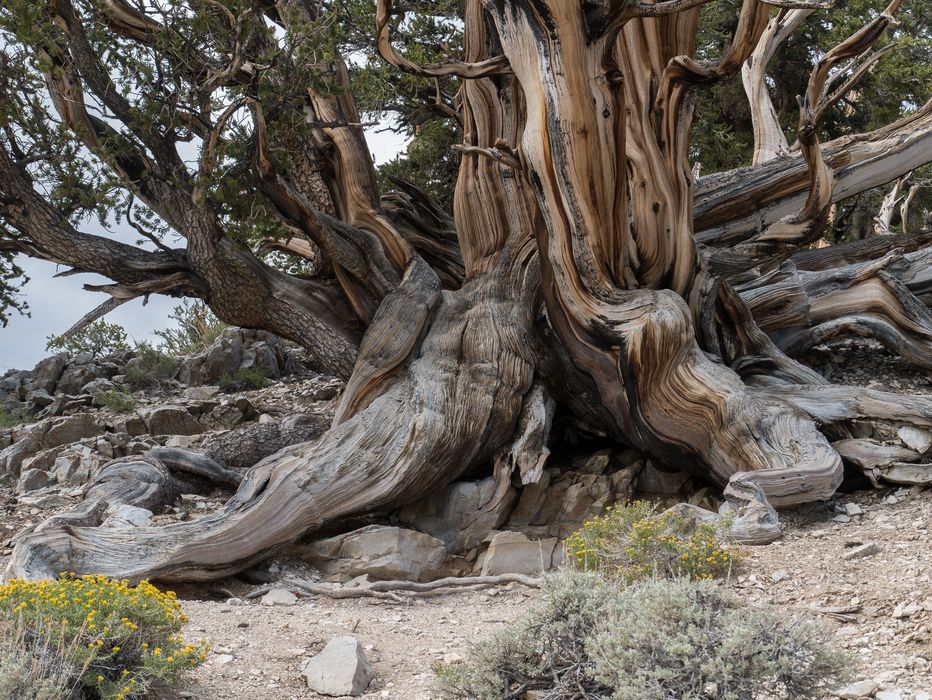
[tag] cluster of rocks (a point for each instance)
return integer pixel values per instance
(70, 433)
(472, 528)
(63, 384)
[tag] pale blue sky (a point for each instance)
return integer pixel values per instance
(56, 303)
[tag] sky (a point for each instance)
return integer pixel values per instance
(56, 303)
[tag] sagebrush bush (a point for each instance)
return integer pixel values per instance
(682, 640)
(124, 640)
(634, 542)
(36, 662)
(117, 400)
(150, 369)
(658, 639)
(243, 379)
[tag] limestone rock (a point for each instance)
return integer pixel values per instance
(858, 690)
(460, 514)
(49, 371)
(915, 438)
(12, 457)
(382, 552)
(514, 553)
(171, 420)
(64, 431)
(340, 669)
(560, 503)
(31, 480)
(279, 597)
(125, 516)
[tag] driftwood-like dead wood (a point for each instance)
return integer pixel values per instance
(399, 591)
(584, 231)
(801, 309)
(387, 447)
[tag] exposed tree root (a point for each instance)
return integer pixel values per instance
(399, 591)
(403, 445)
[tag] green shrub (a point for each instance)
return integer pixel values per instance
(150, 369)
(652, 640)
(245, 379)
(111, 640)
(7, 419)
(36, 663)
(682, 640)
(98, 338)
(633, 542)
(195, 329)
(117, 400)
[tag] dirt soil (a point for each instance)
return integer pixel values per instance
(879, 606)
(877, 602)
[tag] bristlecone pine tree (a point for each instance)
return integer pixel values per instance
(585, 263)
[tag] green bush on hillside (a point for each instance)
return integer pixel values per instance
(657, 639)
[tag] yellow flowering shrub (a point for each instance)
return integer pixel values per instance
(633, 542)
(126, 639)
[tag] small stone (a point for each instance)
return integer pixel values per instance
(223, 659)
(915, 438)
(780, 575)
(279, 596)
(858, 690)
(235, 601)
(452, 658)
(888, 695)
(865, 550)
(921, 695)
(853, 509)
(904, 610)
(340, 669)
(841, 519)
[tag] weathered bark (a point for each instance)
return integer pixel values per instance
(399, 446)
(576, 264)
(875, 299)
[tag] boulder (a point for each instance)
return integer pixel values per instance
(39, 399)
(513, 553)
(235, 349)
(63, 431)
(75, 377)
(261, 356)
(98, 386)
(71, 465)
(382, 552)
(49, 371)
(201, 393)
(12, 457)
(560, 503)
(340, 669)
(74, 465)
(171, 420)
(130, 425)
(460, 514)
(31, 480)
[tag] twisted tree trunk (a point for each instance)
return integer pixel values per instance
(580, 268)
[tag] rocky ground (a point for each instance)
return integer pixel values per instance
(862, 563)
